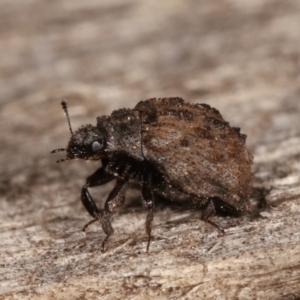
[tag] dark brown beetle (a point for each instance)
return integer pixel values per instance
(183, 152)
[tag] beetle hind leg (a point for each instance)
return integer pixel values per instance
(208, 211)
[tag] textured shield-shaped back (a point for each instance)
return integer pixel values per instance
(198, 152)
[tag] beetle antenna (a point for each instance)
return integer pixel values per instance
(58, 150)
(63, 159)
(65, 108)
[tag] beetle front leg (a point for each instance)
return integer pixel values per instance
(148, 201)
(98, 178)
(115, 198)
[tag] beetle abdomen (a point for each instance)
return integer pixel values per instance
(196, 149)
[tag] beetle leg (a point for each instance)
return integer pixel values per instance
(148, 202)
(98, 178)
(208, 211)
(115, 198)
(223, 208)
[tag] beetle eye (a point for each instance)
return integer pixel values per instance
(96, 146)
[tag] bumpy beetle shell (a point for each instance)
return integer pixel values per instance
(196, 150)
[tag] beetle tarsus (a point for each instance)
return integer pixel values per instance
(148, 202)
(115, 198)
(216, 225)
(88, 224)
(209, 210)
(107, 228)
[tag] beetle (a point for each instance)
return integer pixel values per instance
(181, 151)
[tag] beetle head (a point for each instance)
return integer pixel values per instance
(88, 142)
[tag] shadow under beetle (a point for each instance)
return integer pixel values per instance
(184, 152)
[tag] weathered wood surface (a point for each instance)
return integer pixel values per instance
(242, 57)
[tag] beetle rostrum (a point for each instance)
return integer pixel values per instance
(184, 152)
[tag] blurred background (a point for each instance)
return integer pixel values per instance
(242, 57)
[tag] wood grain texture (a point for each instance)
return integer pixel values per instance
(241, 57)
